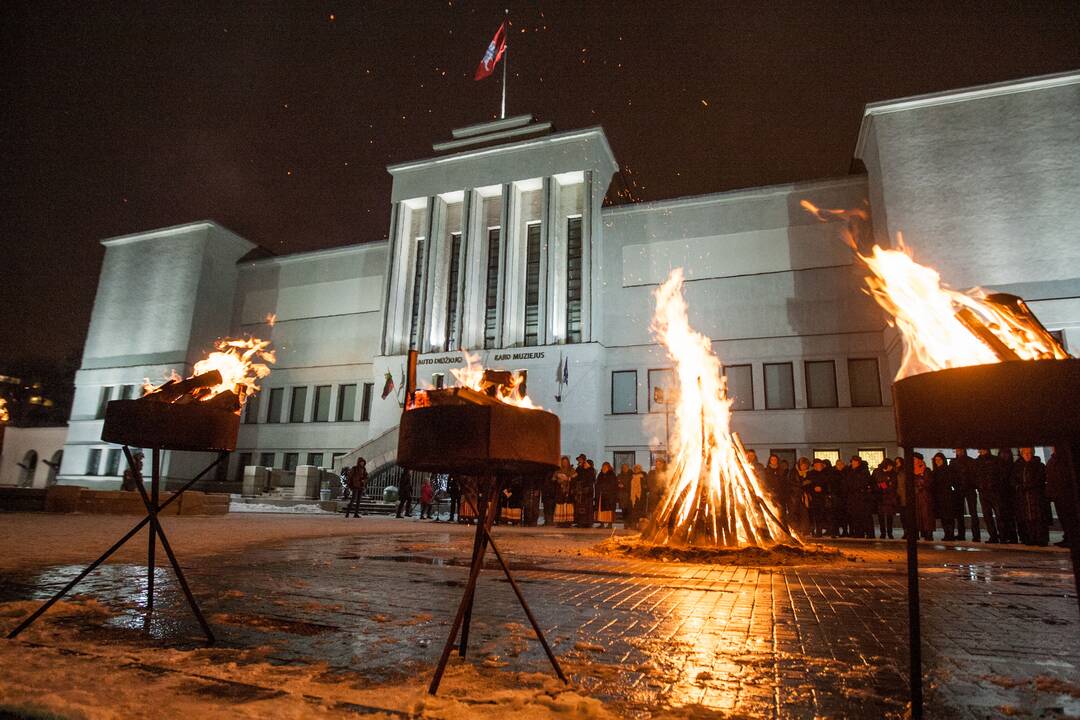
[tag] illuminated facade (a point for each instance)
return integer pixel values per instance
(499, 245)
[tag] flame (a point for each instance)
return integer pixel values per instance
(4, 415)
(472, 377)
(242, 362)
(713, 494)
(271, 319)
(936, 321)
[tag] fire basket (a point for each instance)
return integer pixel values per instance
(1007, 404)
(169, 418)
(471, 433)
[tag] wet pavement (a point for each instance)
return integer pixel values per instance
(1000, 625)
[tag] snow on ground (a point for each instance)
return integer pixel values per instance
(241, 507)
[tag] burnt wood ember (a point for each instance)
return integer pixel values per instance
(1008, 404)
(196, 426)
(173, 390)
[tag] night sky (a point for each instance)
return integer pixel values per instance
(278, 119)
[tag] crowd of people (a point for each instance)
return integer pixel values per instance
(818, 498)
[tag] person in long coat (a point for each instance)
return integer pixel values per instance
(775, 482)
(583, 484)
(1029, 478)
(405, 495)
(549, 492)
(887, 500)
(357, 478)
(564, 486)
(1008, 528)
(943, 492)
(638, 487)
(1057, 490)
(798, 508)
(453, 489)
(623, 479)
(858, 493)
(987, 473)
(924, 498)
(967, 485)
(839, 522)
(607, 490)
(817, 488)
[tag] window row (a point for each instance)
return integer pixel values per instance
(344, 410)
(821, 392)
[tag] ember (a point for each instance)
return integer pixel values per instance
(943, 328)
(713, 495)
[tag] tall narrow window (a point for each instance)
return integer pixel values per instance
(243, 462)
(365, 405)
(624, 392)
(740, 386)
(821, 384)
(346, 404)
(662, 390)
(864, 381)
(103, 400)
(315, 459)
(453, 290)
(322, 403)
(296, 408)
(779, 386)
(532, 285)
(491, 299)
(273, 412)
(127, 392)
(266, 459)
(418, 281)
(93, 461)
(291, 461)
(112, 462)
(251, 409)
(573, 280)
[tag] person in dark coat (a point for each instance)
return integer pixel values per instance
(584, 487)
(987, 471)
(817, 488)
(357, 478)
(405, 494)
(798, 509)
(453, 490)
(924, 498)
(638, 487)
(132, 475)
(775, 483)
(1057, 490)
(887, 500)
(607, 490)
(1029, 479)
(941, 487)
(967, 484)
(858, 488)
(549, 490)
(838, 500)
(530, 501)
(656, 482)
(623, 490)
(1008, 527)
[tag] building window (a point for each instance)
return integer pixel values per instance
(290, 462)
(93, 461)
(740, 386)
(624, 457)
(322, 403)
(251, 409)
(779, 386)
(438, 380)
(532, 285)
(103, 400)
(624, 392)
(573, 280)
(871, 456)
(273, 412)
(243, 462)
(864, 382)
(830, 456)
(315, 459)
(365, 402)
(112, 462)
(661, 390)
(127, 392)
(296, 407)
(266, 460)
(453, 290)
(334, 458)
(491, 298)
(346, 404)
(820, 384)
(784, 454)
(418, 281)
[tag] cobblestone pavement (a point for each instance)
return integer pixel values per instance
(1001, 628)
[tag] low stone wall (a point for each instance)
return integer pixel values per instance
(72, 498)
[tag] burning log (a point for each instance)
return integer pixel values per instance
(173, 390)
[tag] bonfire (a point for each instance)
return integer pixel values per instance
(713, 495)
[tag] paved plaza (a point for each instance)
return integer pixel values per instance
(351, 618)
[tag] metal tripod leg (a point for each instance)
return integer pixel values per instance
(483, 524)
(490, 499)
(914, 623)
(108, 553)
(151, 511)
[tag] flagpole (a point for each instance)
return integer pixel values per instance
(506, 61)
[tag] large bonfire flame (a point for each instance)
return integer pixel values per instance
(4, 417)
(502, 385)
(239, 363)
(943, 328)
(713, 494)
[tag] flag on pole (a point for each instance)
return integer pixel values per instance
(495, 50)
(388, 386)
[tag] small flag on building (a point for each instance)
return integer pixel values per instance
(388, 386)
(495, 50)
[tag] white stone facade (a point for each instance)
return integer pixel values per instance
(502, 248)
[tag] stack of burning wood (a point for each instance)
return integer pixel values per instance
(198, 388)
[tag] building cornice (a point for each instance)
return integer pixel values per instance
(947, 97)
(315, 254)
(734, 195)
(165, 232)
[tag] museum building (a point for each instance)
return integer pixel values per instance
(500, 245)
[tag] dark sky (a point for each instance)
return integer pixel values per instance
(277, 119)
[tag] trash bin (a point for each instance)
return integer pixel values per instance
(389, 494)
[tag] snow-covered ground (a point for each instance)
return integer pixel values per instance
(242, 507)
